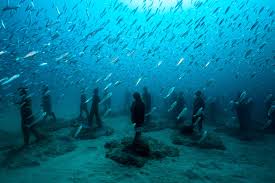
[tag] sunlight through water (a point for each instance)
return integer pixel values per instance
(159, 4)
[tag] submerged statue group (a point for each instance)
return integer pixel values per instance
(141, 110)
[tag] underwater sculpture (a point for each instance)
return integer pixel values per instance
(95, 109)
(27, 119)
(83, 105)
(138, 150)
(243, 107)
(146, 97)
(47, 104)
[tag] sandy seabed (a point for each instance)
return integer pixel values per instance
(241, 162)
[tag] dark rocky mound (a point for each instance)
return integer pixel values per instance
(137, 155)
(91, 133)
(37, 152)
(208, 140)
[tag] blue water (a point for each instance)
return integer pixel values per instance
(134, 42)
(220, 47)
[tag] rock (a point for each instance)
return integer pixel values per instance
(137, 155)
(34, 154)
(209, 141)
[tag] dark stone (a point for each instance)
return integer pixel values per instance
(127, 153)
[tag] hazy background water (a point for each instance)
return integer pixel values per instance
(65, 79)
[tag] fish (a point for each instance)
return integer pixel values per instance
(78, 131)
(31, 54)
(117, 83)
(183, 113)
(98, 80)
(203, 137)
(207, 64)
(62, 56)
(87, 13)
(130, 53)
(243, 97)
(108, 76)
(198, 45)
(227, 9)
(182, 75)
(109, 95)
(210, 82)
(58, 12)
(4, 79)
(199, 112)
(91, 34)
(14, 77)
(261, 10)
(115, 60)
(55, 36)
(215, 11)
(248, 52)
(32, 4)
(3, 25)
(10, 8)
(43, 64)
(108, 86)
(152, 110)
(170, 92)
(138, 81)
(108, 111)
(173, 105)
(2, 52)
(88, 100)
(253, 74)
(254, 25)
(261, 47)
(81, 53)
(267, 124)
(180, 61)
